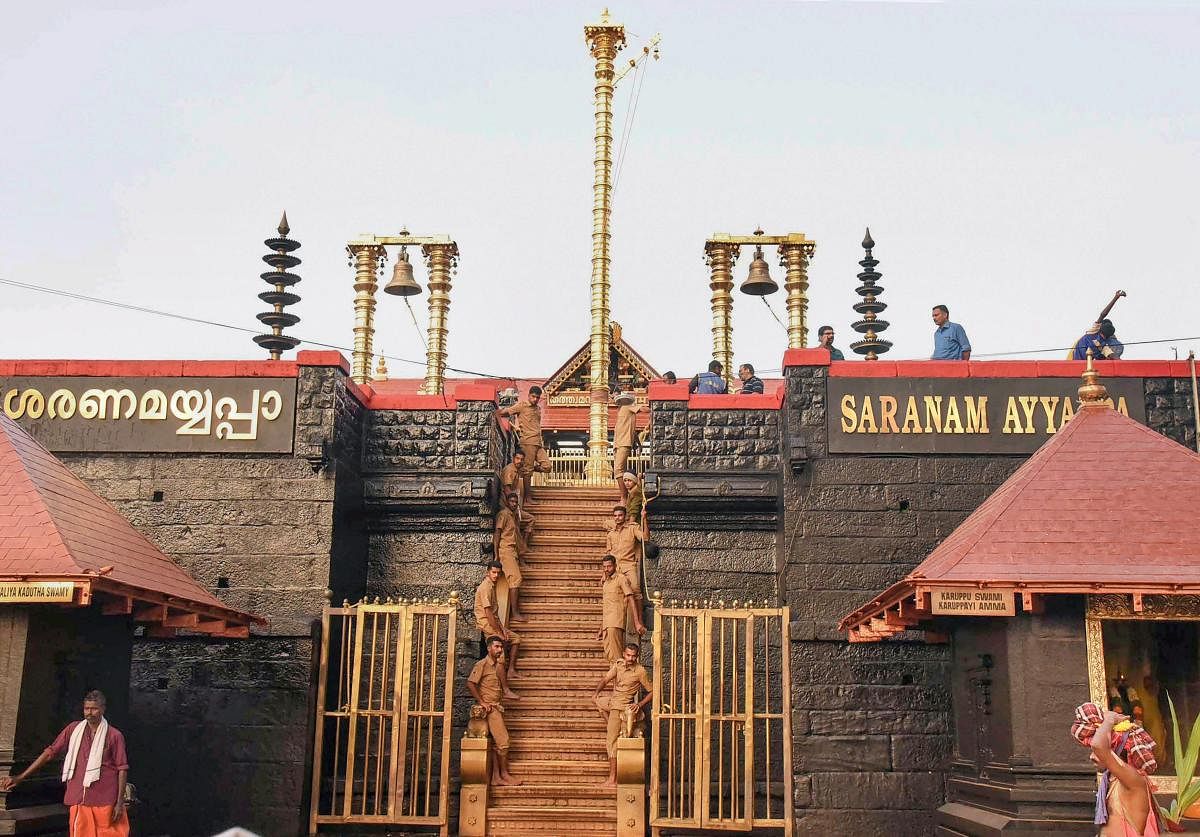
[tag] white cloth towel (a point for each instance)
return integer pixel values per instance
(92, 774)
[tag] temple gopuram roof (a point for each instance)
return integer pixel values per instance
(53, 528)
(1099, 508)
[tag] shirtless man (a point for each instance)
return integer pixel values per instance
(507, 545)
(529, 434)
(627, 676)
(617, 600)
(1129, 801)
(487, 620)
(485, 686)
(624, 543)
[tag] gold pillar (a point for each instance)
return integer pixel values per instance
(794, 259)
(631, 787)
(440, 259)
(474, 774)
(604, 39)
(366, 263)
(720, 257)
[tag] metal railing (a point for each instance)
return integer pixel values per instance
(568, 469)
(384, 699)
(722, 754)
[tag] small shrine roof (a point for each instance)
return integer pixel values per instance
(54, 528)
(1105, 506)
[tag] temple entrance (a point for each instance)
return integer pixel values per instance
(384, 698)
(722, 756)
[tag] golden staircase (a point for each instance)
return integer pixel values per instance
(557, 735)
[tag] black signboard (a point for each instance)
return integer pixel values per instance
(148, 415)
(960, 415)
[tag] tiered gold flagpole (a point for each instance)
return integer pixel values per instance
(604, 39)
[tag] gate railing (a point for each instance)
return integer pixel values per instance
(722, 735)
(384, 698)
(568, 468)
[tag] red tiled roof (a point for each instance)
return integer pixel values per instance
(53, 527)
(1106, 505)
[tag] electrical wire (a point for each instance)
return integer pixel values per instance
(141, 309)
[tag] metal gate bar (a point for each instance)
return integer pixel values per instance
(384, 698)
(721, 736)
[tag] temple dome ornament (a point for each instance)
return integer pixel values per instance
(279, 297)
(871, 346)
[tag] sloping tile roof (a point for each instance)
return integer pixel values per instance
(53, 526)
(1106, 505)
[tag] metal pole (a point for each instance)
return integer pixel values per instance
(794, 258)
(604, 39)
(440, 259)
(720, 258)
(366, 261)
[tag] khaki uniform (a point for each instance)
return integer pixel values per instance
(529, 435)
(624, 544)
(628, 680)
(510, 481)
(623, 437)
(634, 503)
(508, 546)
(613, 593)
(486, 678)
(485, 597)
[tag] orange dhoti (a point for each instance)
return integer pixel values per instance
(96, 821)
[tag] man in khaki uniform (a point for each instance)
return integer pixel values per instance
(484, 683)
(627, 676)
(507, 546)
(624, 542)
(487, 620)
(632, 494)
(617, 600)
(529, 434)
(510, 476)
(624, 434)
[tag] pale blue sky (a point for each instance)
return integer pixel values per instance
(1018, 162)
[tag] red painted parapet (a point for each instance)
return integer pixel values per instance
(983, 368)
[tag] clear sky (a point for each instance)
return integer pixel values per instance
(1015, 161)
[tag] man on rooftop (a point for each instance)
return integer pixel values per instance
(949, 339)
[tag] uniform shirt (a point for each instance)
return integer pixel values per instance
(529, 422)
(485, 677)
(485, 597)
(626, 424)
(949, 342)
(510, 478)
(628, 680)
(752, 386)
(613, 590)
(634, 503)
(103, 791)
(622, 543)
(506, 528)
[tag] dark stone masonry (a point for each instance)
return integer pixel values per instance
(394, 501)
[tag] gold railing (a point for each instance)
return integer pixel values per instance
(722, 754)
(384, 698)
(568, 469)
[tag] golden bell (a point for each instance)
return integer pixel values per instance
(759, 281)
(402, 283)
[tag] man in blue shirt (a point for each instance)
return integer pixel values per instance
(1101, 338)
(710, 382)
(949, 339)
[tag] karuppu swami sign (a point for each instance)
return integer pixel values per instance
(32, 592)
(952, 602)
(960, 415)
(148, 415)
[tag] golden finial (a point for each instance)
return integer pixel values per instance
(381, 372)
(1092, 393)
(283, 227)
(328, 596)
(453, 600)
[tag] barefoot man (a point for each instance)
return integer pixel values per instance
(507, 540)
(487, 619)
(626, 676)
(1125, 752)
(618, 603)
(485, 686)
(625, 544)
(529, 435)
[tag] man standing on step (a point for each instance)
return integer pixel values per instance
(625, 544)
(618, 604)
(632, 494)
(529, 434)
(626, 676)
(510, 477)
(487, 620)
(624, 433)
(485, 684)
(507, 542)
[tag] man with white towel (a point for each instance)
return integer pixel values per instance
(94, 770)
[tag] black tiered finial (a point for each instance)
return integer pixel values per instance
(277, 342)
(870, 325)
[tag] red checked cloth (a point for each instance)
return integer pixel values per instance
(1139, 746)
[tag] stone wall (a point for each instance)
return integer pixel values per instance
(713, 439)
(1169, 409)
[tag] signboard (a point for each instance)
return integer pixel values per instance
(960, 415)
(958, 602)
(36, 592)
(152, 415)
